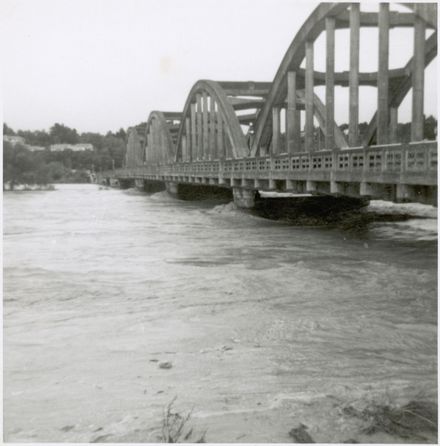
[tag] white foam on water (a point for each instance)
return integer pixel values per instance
(228, 208)
(266, 194)
(415, 209)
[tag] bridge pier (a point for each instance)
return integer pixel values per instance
(244, 198)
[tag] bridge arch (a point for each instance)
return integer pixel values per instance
(210, 128)
(134, 155)
(293, 86)
(160, 137)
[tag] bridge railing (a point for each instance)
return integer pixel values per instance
(415, 161)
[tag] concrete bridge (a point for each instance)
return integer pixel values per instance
(248, 137)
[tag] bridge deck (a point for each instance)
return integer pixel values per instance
(364, 171)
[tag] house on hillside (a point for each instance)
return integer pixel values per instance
(81, 147)
(13, 139)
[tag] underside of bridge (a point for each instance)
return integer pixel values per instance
(282, 136)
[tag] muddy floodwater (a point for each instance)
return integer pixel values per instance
(116, 302)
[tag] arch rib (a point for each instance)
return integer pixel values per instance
(226, 110)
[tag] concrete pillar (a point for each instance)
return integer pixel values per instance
(205, 131)
(309, 97)
(193, 152)
(184, 148)
(393, 124)
(212, 138)
(382, 75)
(220, 136)
(244, 198)
(291, 115)
(172, 188)
(330, 84)
(275, 130)
(405, 192)
(188, 140)
(353, 124)
(310, 186)
(336, 188)
(418, 79)
(199, 127)
(297, 131)
(367, 190)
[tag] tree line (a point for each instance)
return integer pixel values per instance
(23, 166)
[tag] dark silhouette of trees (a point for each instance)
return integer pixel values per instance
(60, 133)
(7, 130)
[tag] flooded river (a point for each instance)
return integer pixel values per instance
(116, 302)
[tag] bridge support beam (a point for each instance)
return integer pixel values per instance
(244, 198)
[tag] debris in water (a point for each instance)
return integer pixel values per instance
(67, 428)
(165, 365)
(300, 434)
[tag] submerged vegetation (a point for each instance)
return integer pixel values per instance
(416, 421)
(176, 427)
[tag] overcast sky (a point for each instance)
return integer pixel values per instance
(99, 65)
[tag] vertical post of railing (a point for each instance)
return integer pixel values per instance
(188, 140)
(309, 97)
(353, 123)
(330, 84)
(193, 151)
(418, 75)
(291, 115)
(382, 75)
(205, 150)
(275, 130)
(199, 127)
